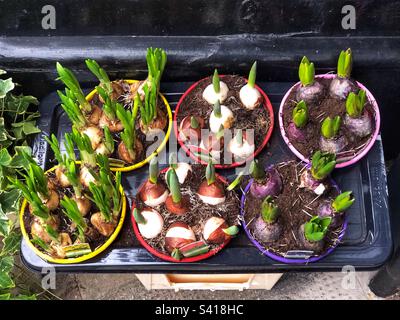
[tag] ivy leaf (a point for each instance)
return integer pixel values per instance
(5, 224)
(5, 158)
(11, 243)
(30, 127)
(5, 87)
(6, 265)
(4, 135)
(9, 201)
(32, 116)
(19, 104)
(18, 161)
(18, 133)
(5, 281)
(2, 72)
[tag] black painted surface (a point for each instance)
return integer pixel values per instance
(200, 17)
(367, 243)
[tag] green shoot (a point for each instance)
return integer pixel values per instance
(343, 201)
(322, 164)
(173, 160)
(73, 111)
(68, 78)
(138, 216)
(108, 187)
(38, 207)
(330, 127)
(61, 158)
(100, 74)
(40, 243)
(345, 63)
(153, 170)
(53, 234)
(70, 209)
(36, 180)
(69, 146)
(128, 120)
(173, 185)
(217, 109)
(239, 137)
(215, 81)
(210, 173)
(194, 123)
(176, 254)
(109, 106)
(156, 60)
(108, 140)
(116, 197)
(256, 171)
(72, 173)
(232, 230)
(300, 114)
(315, 229)
(306, 72)
(82, 141)
(355, 103)
(236, 182)
(148, 108)
(252, 75)
(269, 210)
(221, 132)
(101, 200)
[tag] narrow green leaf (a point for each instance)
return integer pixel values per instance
(252, 75)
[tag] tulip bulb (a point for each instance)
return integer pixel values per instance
(217, 91)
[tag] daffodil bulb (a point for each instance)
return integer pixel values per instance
(211, 96)
(240, 146)
(250, 97)
(222, 117)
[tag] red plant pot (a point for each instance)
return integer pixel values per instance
(164, 256)
(267, 105)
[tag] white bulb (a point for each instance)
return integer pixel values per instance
(181, 233)
(211, 225)
(211, 96)
(95, 135)
(226, 119)
(243, 150)
(182, 170)
(214, 153)
(101, 149)
(211, 200)
(250, 97)
(86, 177)
(154, 202)
(153, 226)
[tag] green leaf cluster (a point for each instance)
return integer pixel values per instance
(322, 164)
(17, 126)
(315, 229)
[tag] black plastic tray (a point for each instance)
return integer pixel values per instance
(367, 243)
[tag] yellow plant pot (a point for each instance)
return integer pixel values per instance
(85, 257)
(90, 96)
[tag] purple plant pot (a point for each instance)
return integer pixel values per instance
(279, 258)
(361, 153)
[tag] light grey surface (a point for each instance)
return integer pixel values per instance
(326, 286)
